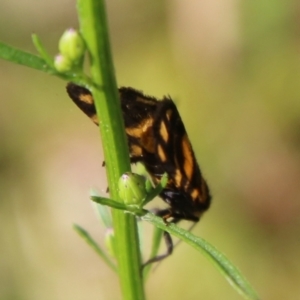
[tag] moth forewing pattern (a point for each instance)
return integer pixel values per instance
(157, 138)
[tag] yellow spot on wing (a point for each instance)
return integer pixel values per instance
(161, 153)
(144, 133)
(178, 178)
(195, 194)
(140, 129)
(134, 131)
(136, 151)
(147, 124)
(189, 160)
(163, 131)
(148, 141)
(87, 98)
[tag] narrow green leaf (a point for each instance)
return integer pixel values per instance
(231, 273)
(133, 209)
(30, 60)
(109, 202)
(103, 211)
(90, 241)
(24, 58)
(42, 51)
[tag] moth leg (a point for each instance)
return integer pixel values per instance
(170, 246)
(168, 215)
(165, 214)
(176, 217)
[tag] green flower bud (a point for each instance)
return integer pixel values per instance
(62, 63)
(132, 188)
(71, 45)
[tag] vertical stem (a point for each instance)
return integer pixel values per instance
(93, 25)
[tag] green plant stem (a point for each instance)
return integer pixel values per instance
(93, 24)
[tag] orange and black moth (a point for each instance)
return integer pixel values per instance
(157, 138)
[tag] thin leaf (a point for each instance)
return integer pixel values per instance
(90, 241)
(231, 273)
(109, 202)
(24, 58)
(30, 60)
(41, 50)
(103, 211)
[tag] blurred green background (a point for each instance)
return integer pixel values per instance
(233, 69)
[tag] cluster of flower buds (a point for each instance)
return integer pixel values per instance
(71, 51)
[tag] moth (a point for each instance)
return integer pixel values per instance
(157, 138)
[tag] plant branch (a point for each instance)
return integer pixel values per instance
(93, 25)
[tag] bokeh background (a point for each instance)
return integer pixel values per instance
(233, 69)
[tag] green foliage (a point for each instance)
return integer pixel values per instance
(231, 273)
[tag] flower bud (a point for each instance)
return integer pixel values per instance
(71, 45)
(62, 63)
(132, 188)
